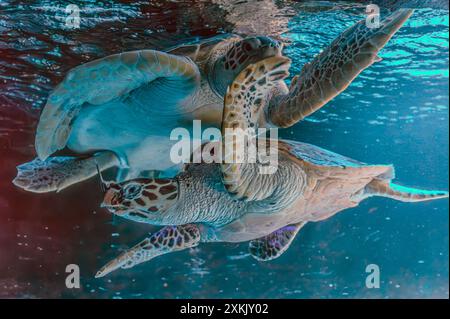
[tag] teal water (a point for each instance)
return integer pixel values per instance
(396, 112)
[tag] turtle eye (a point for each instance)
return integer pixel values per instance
(132, 190)
(247, 47)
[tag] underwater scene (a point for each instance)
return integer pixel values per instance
(85, 172)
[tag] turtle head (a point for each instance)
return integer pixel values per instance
(236, 56)
(141, 200)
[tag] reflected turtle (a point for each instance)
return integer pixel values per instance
(119, 111)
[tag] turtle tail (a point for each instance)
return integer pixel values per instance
(401, 193)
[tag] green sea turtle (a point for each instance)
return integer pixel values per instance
(234, 202)
(119, 110)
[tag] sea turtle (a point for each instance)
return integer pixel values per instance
(234, 202)
(120, 110)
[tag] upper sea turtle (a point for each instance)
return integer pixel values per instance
(234, 202)
(120, 110)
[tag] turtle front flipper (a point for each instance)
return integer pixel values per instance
(332, 71)
(242, 108)
(168, 239)
(110, 78)
(275, 244)
(59, 172)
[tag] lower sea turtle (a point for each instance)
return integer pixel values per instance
(234, 202)
(120, 110)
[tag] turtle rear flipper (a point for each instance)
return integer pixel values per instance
(59, 172)
(275, 244)
(401, 193)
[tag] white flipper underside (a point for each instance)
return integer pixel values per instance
(104, 80)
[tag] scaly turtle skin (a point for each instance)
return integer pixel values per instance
(234, 202)
(123, 108)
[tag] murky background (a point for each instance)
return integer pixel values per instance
(395, 112)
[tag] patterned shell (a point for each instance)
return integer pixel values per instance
(197, 49)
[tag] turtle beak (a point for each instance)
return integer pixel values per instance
(112, 200)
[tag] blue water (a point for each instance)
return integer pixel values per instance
(394, 112)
